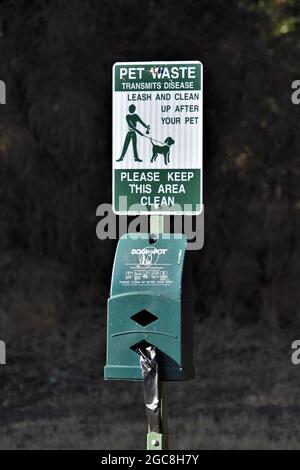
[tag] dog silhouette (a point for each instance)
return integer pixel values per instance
(162, 149)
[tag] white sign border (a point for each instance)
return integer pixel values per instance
(157, 212)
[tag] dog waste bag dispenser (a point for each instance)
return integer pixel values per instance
(150, 304)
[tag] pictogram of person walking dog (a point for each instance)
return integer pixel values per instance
(158, 148)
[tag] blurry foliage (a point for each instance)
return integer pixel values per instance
(283, 15)
(55, 137)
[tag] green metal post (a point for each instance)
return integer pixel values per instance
(157, 441)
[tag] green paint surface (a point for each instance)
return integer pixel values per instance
(185, 190)
(150, 278)
(163, 76)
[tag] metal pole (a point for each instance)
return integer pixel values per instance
(159, 441)
(156, 224)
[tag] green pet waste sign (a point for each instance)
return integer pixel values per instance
(157, 138)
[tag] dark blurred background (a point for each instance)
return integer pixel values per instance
(55, 169)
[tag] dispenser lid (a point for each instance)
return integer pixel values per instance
(142, 265)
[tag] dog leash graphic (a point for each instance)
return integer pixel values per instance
(154, 140)
(145, 135)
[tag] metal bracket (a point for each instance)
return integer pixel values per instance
(156, 441)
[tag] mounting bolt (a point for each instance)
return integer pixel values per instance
(155, 443)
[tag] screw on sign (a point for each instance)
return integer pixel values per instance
(157, 166)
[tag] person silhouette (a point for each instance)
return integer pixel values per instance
(132, 120)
